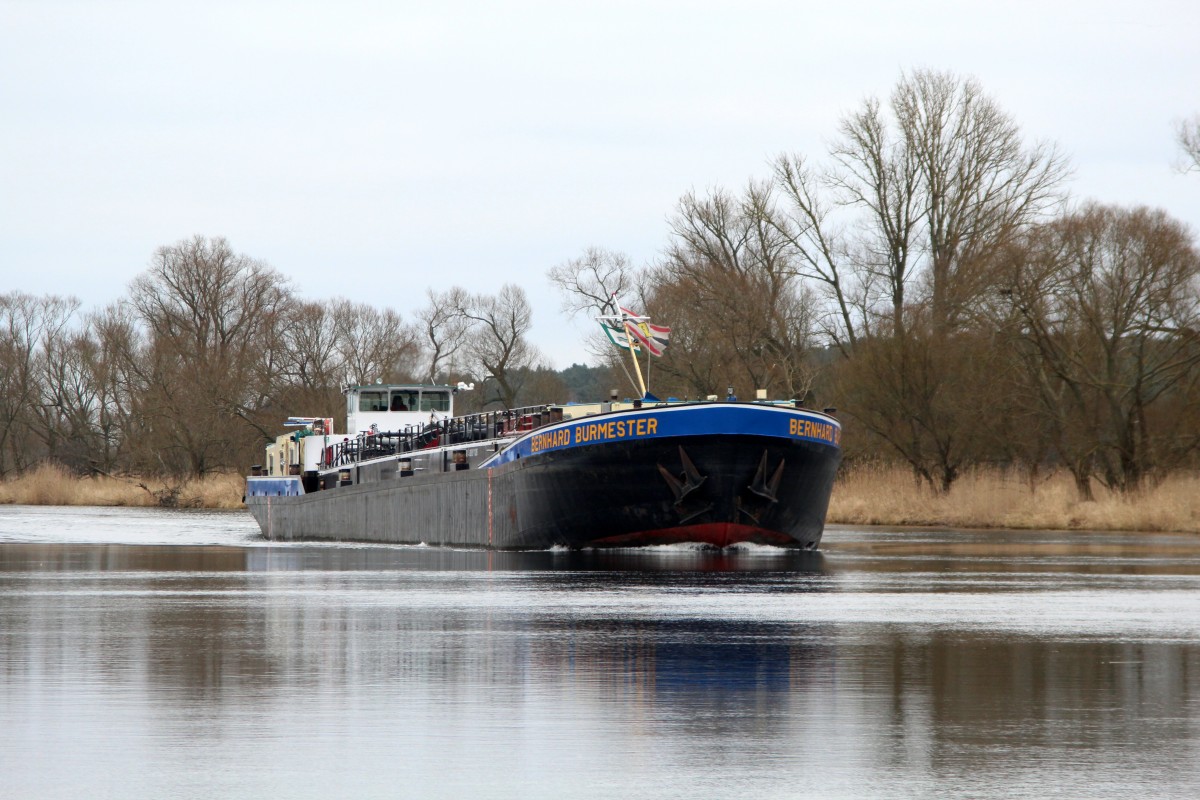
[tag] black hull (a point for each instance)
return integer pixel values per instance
(718, 490)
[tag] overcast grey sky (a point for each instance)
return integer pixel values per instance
(372, 150)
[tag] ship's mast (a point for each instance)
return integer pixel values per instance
(650, 337)
(633, 353)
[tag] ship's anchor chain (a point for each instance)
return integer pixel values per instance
(761, 493)
(688, 502)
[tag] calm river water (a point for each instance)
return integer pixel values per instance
(151, 654)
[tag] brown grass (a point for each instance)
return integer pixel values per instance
(51, 485)
(993, 498)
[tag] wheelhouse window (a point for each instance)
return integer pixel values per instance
(373, 401)
(435, 401)
(404, 401)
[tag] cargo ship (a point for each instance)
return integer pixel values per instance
(717, 472)
(578, 475)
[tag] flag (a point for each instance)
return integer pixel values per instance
(624, 328)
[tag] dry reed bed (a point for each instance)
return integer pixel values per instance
(869, 495)
(50, 485)
(992, 498)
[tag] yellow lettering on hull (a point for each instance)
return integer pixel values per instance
(549, 440)
(812, 429)
(617, 429)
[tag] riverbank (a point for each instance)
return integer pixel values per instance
(49, 485)
(871, 495)
(995, 498)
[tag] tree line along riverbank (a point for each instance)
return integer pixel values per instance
(863, 495)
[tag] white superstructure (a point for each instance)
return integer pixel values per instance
(370, 408)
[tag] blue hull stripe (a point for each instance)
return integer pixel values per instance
(658, 423)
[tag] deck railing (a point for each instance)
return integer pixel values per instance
(456, 430)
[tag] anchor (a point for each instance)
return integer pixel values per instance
(766, 490)
(684, 486)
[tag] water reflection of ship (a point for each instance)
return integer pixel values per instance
(711, 668)
(699, 662)
(599, 648)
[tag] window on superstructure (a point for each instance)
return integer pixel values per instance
(435, 401)
(373, 401)
(404, 401)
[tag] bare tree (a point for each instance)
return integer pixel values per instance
(930, 188)
(1187, 136)
(114, 381)
(1109, 300)
(374, 344)
(206, 366)
(901, 229)
(980, 185)
(725, 332)
(820, 250)
(28, 325)
(733, 296)
(879, 173)
(326, 345)
(929, 398)
(443, 331)
(588, 283)
(312, 367)
(497, 348)
(67, 411)
(869, 259)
